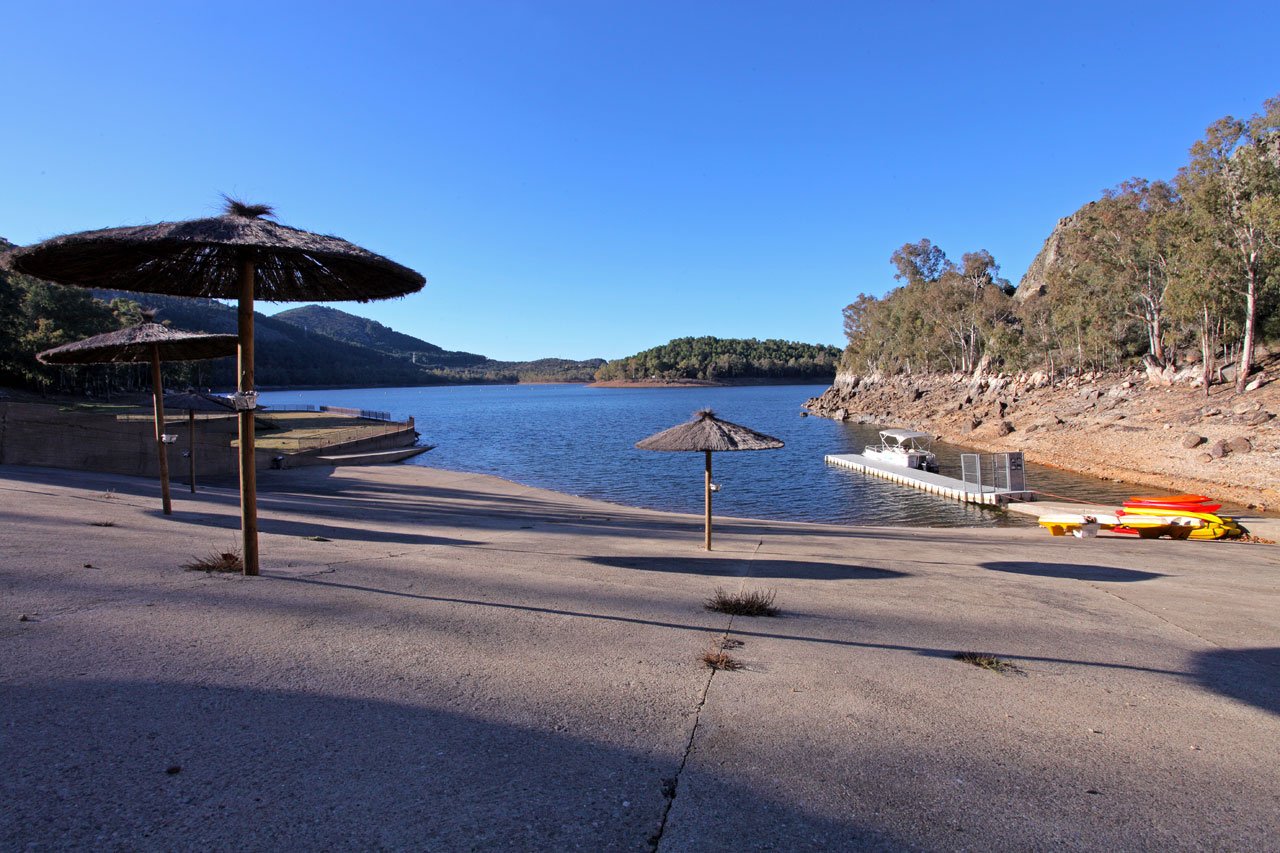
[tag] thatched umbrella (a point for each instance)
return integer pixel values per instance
(708, 434)
(146, 342)
(238, 255)
(192, 402)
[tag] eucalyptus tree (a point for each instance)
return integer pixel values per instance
(1231, 186)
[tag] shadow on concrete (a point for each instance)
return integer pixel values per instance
(1250, 675)
(319, 492)
(1074, 571)
(283, 527)
(754, 568)
(184, 766)
(738, 629)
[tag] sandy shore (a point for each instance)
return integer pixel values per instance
(450, 661)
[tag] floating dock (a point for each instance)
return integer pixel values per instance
(935, 484)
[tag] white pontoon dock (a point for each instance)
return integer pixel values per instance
(937, 484)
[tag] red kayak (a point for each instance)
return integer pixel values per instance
(1191, 503)
(1177, 499)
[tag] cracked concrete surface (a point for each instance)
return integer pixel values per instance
(472, 664)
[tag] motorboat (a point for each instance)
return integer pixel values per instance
(905, 448)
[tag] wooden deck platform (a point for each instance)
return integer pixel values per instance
(936, 484)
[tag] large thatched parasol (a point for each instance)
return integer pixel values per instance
(708, 434)
(146, 342)
(192, 402)
(238, 255)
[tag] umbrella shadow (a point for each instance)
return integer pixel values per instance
(1072, 571)
(284, 527)
(1250, 675)
(737, 567)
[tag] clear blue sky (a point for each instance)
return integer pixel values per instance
(593, 178)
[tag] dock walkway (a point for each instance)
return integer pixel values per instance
(937, 484)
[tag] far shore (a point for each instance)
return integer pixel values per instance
(707, 383)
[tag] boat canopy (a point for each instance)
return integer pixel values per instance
(901, 435)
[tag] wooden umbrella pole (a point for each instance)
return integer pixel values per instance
(707, 536)
(248, 474)
(157, 395)
(191, 446)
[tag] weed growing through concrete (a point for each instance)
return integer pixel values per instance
(755, 603)
(719, 659)
(986, 661)
(227, 561)
(316, 539)
(103, 523)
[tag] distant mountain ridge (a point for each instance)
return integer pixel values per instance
(318, 345)
(323, 320)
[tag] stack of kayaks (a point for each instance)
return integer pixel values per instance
(1140, 523)
(1199, 507)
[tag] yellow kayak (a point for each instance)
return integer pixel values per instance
(1213, 526)
(1147, 526)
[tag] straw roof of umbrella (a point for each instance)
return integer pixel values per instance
(194, 401)
(136, 343)
(203, 257)
(706, 432)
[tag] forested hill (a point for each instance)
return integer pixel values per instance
(36, 315)
(725, 359)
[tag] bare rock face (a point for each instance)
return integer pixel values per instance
(1256, 417)
(1036, 281)
(1218, 449)
(1004, 428)
(1203, 457)
(1191, 440)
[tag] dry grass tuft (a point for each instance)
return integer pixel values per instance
(755, 603)
(719, 659)
(227, 561)
(986, 661)
(236, 207)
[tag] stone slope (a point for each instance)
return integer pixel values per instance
(1112, 426)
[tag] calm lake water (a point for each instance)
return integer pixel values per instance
(579, 440)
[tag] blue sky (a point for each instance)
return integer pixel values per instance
(586, 179)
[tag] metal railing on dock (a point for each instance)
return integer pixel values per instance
(972, 490)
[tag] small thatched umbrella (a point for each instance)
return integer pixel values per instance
(708, 434)
(146, 342)
(238, 255)
(192, 402)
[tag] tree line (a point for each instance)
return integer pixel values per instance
(1167, 271)
(710, 358)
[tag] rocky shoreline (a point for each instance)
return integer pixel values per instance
(1159, 430)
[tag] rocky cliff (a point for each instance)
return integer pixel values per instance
(1035, 281)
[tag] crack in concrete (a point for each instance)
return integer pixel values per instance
(671, 786)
